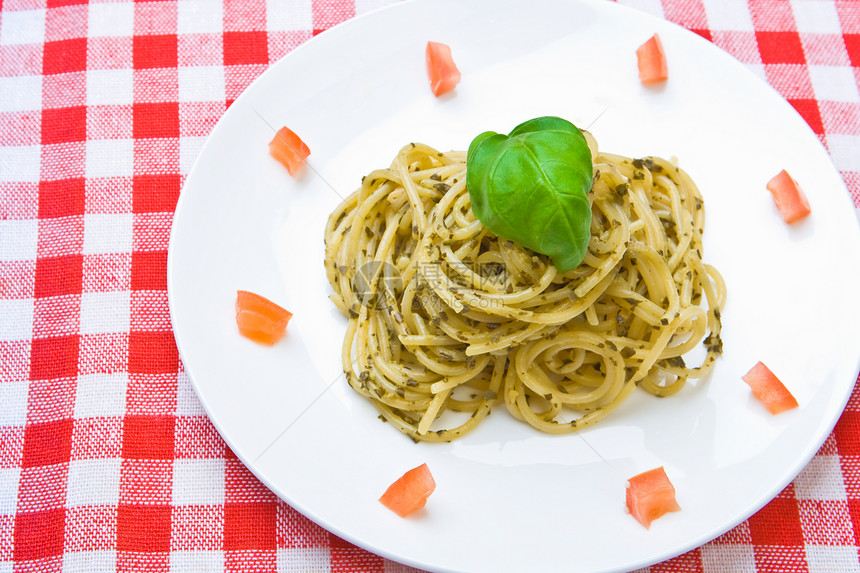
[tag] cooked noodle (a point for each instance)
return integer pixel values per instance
(446, 319)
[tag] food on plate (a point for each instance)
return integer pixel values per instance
(410, 492)
(769, 389)
(289, 149)
(789, 197)
(446, 319)
(441, 69)
(260, 319)
(651, 59)
(531, 187)
(650, 495)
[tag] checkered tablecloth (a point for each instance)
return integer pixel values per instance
(107, 460)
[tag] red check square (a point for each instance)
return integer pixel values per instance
(54, 357)
(808, 109)
(149, 270)
(847, 433)
(249, 526)
(777, 523)
(155, 51)
(155, 120)
(780, 47)
(62, 198)
(854, 512)
(143, 528)
(47, 443)
(852, 45)
(148, 437)
(245, 48)
(56, 276)
(152, 353)
(61, 3)
(63, 124)
(65, 56)
(156, 193)
(39, 534)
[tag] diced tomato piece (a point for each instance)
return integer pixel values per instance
(410, 491)
(789, 197)
(260, 319)
(289, 149)
(769, 389)
(443, 73)
(652, 61)
(650, 495)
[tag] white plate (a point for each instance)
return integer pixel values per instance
(509, 498)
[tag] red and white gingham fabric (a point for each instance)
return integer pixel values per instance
(107, 460)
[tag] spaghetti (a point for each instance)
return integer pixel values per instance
(446, 319)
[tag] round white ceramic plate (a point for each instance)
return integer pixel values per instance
(509, 498)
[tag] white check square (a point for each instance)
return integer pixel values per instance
(290, 15)
(832, 559)
(187, 403)
(101, 395)
(13, 396)
(718, 557)
(93, 482)
(110, 87)
(20, 93)
(9, 478)
(314, 558)
(16, 320)
(19, 239)
(821, 479)
(90, 561)
(20, 163)
(834, 83)
(845, 151)
(816, 17)
(22, 27)
(105, 312)
(200, 17)
(111, 19)
(110, 158)
(197, 561)
(189, 149)
(198, 482)
(201, 83)
(108, 233)
(724, 15)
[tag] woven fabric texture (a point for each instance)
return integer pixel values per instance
(107, 460)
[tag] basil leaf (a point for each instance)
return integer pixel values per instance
(531, 186)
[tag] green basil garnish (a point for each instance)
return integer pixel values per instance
(531, 186)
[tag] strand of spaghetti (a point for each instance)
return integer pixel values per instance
(445, 319)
